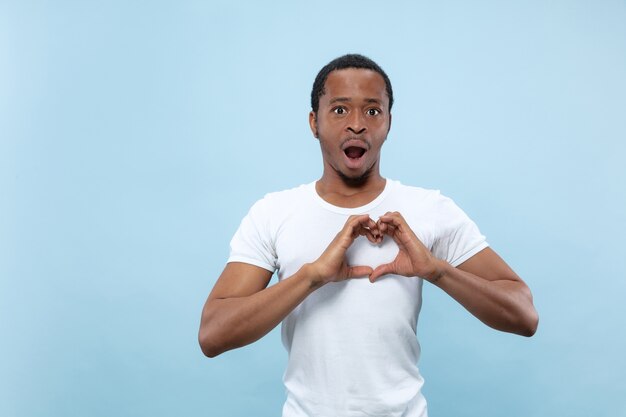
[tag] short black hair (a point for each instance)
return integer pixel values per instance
(343, 62)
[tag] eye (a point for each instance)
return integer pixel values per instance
(373, 112)
(339, 110)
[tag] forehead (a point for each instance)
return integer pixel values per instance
(355, 84)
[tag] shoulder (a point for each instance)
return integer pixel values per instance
(289, 196)
(273, 204)
(266, 215)
(424, 201)
(413, 194)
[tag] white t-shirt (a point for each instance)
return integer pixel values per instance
(352, 345)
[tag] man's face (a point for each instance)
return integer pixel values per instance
(352, 122)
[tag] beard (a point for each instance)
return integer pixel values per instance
(356, 180)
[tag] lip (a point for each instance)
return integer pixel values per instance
(358, 143)
(354, 163)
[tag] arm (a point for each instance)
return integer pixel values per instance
(242, 308)
(489, 289)
(484, 284)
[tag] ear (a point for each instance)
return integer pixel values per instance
(389, 128)
(313, 123)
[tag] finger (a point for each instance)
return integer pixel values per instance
(364, 220)
(379, 222)
(371, 225)
(364, 225)
(368, 234)
(359, 271)
(394, 218)
(396, 226)
(381, 270)
(360, 221)
(351, 229)
(397, 236)
(390, 229)
(356, 219)
(382, 226)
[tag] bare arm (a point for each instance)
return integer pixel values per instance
(242, 308)
(489, 289)
(484, 284)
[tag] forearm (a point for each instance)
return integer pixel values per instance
(229, 323)
(504, 304)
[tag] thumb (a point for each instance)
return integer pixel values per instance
(380, 271)
(359, 271)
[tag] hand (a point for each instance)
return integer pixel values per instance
(413, 259)
(331, 265)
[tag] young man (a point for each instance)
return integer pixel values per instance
(352, 340)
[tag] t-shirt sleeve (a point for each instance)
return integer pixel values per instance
(458, 237)
(253, 242)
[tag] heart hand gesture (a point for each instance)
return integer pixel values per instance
(413, 259)
(331, 265)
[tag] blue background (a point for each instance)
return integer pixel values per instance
(134, 136)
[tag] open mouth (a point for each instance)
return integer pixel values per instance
(354, 152)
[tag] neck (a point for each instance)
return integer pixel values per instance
(347, 192)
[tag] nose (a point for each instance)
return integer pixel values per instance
(356, 123)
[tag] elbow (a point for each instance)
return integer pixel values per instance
(210, 338)
(210, 341)
(209, 348)
(533, 323)
(527, 316)
(528, 324)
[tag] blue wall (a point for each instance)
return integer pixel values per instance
(134, 136)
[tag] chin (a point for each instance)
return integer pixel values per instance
(355, 179)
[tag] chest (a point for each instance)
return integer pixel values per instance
(301, 239)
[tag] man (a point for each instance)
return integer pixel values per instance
(352, 341)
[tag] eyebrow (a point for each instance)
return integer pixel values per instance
(347, 99)
(339, 99)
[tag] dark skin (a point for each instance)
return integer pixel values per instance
(351, 126)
